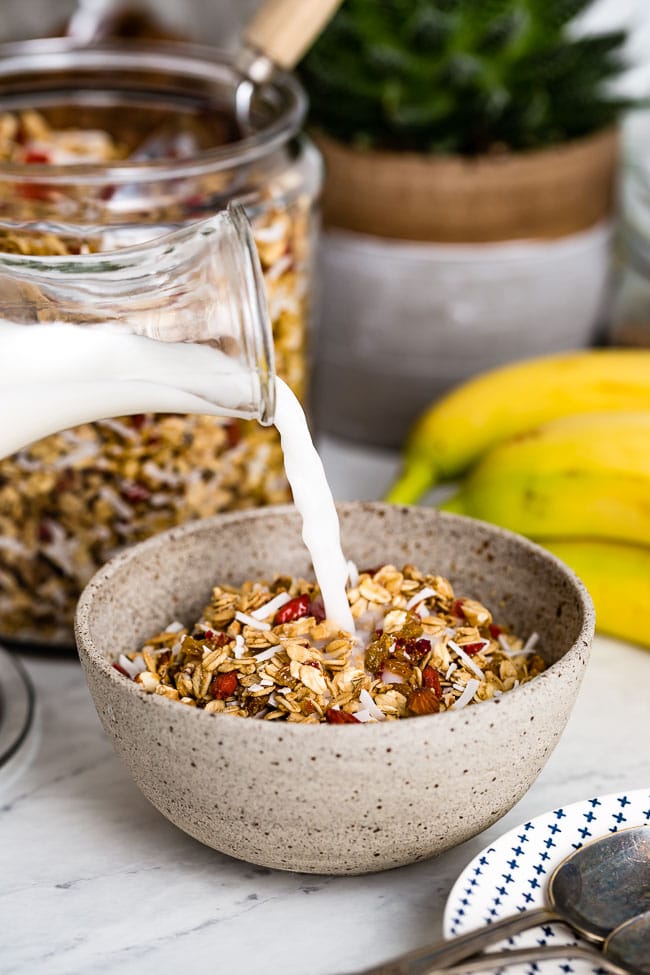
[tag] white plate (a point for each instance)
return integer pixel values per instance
(510, 875)
(17, 737)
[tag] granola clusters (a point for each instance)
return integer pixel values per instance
(71, 501)
(265, 651)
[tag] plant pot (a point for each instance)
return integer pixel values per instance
(437, 268)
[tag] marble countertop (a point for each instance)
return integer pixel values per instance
(93, 879)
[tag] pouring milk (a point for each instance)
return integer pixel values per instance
(55, 376)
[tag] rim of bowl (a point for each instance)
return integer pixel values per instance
(97, 657)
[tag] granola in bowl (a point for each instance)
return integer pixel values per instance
(264, 650)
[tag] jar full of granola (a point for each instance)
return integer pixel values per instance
(105, 147)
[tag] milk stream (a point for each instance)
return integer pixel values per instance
(56, 376)
(314, 501)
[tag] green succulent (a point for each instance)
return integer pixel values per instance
(461, 76)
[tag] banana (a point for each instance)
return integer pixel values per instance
(618, 579)
(579, 476)
(456, 431)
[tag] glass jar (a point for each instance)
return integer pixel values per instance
(159, 151)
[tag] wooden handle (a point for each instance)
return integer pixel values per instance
(284, 29)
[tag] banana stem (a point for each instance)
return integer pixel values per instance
(454, 505)
(414, 481)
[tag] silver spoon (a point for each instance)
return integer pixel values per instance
(277, 37)
(593, 890)
(625, 952)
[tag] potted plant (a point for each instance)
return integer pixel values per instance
(471, 151)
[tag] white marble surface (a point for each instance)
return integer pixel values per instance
(93, 879)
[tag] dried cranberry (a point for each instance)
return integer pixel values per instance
(120, 669)
(135, 492)
(332, 716)
(495, 631)
(296, 608)
(317, 609)
(32, 191)
(195, 201)
(377, 634)
(414, 648)
(138, 420)
(66, 482)
(233, 433)
(458, 607)
(215, 639)
(44, 533)
(472, 648)
(312, 663)
(431, 679)
(36, 156)
(224, 685)
(419, 648)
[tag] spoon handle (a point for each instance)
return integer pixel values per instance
(521, 956)
(444, 953)
(282, 30)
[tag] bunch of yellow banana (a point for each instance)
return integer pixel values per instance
(559, 450)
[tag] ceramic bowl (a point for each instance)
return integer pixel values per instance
(324, 798)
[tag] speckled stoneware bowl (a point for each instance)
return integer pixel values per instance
(326, 798)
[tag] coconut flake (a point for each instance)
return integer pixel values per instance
(420, 596)
(279, 268)
(389, 677)
(267, 682)
(353, 574)
(363, 715)
(132, 667)
(467, 660)
(265, 654)
(251, 621)
(271, 234)
(174, 627)
(450, 670)
(531, 643)
(160, 474)
(13, 545)
(367, 701)
(83, 452)
(256, 687)
(505, 646)
(467, 695)
(240, 647)
(119, 428)
(120, 506)
(271, 608)
(528, 647)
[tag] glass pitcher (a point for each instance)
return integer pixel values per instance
(176, 325)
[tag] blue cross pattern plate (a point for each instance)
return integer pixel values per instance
(510, 875)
